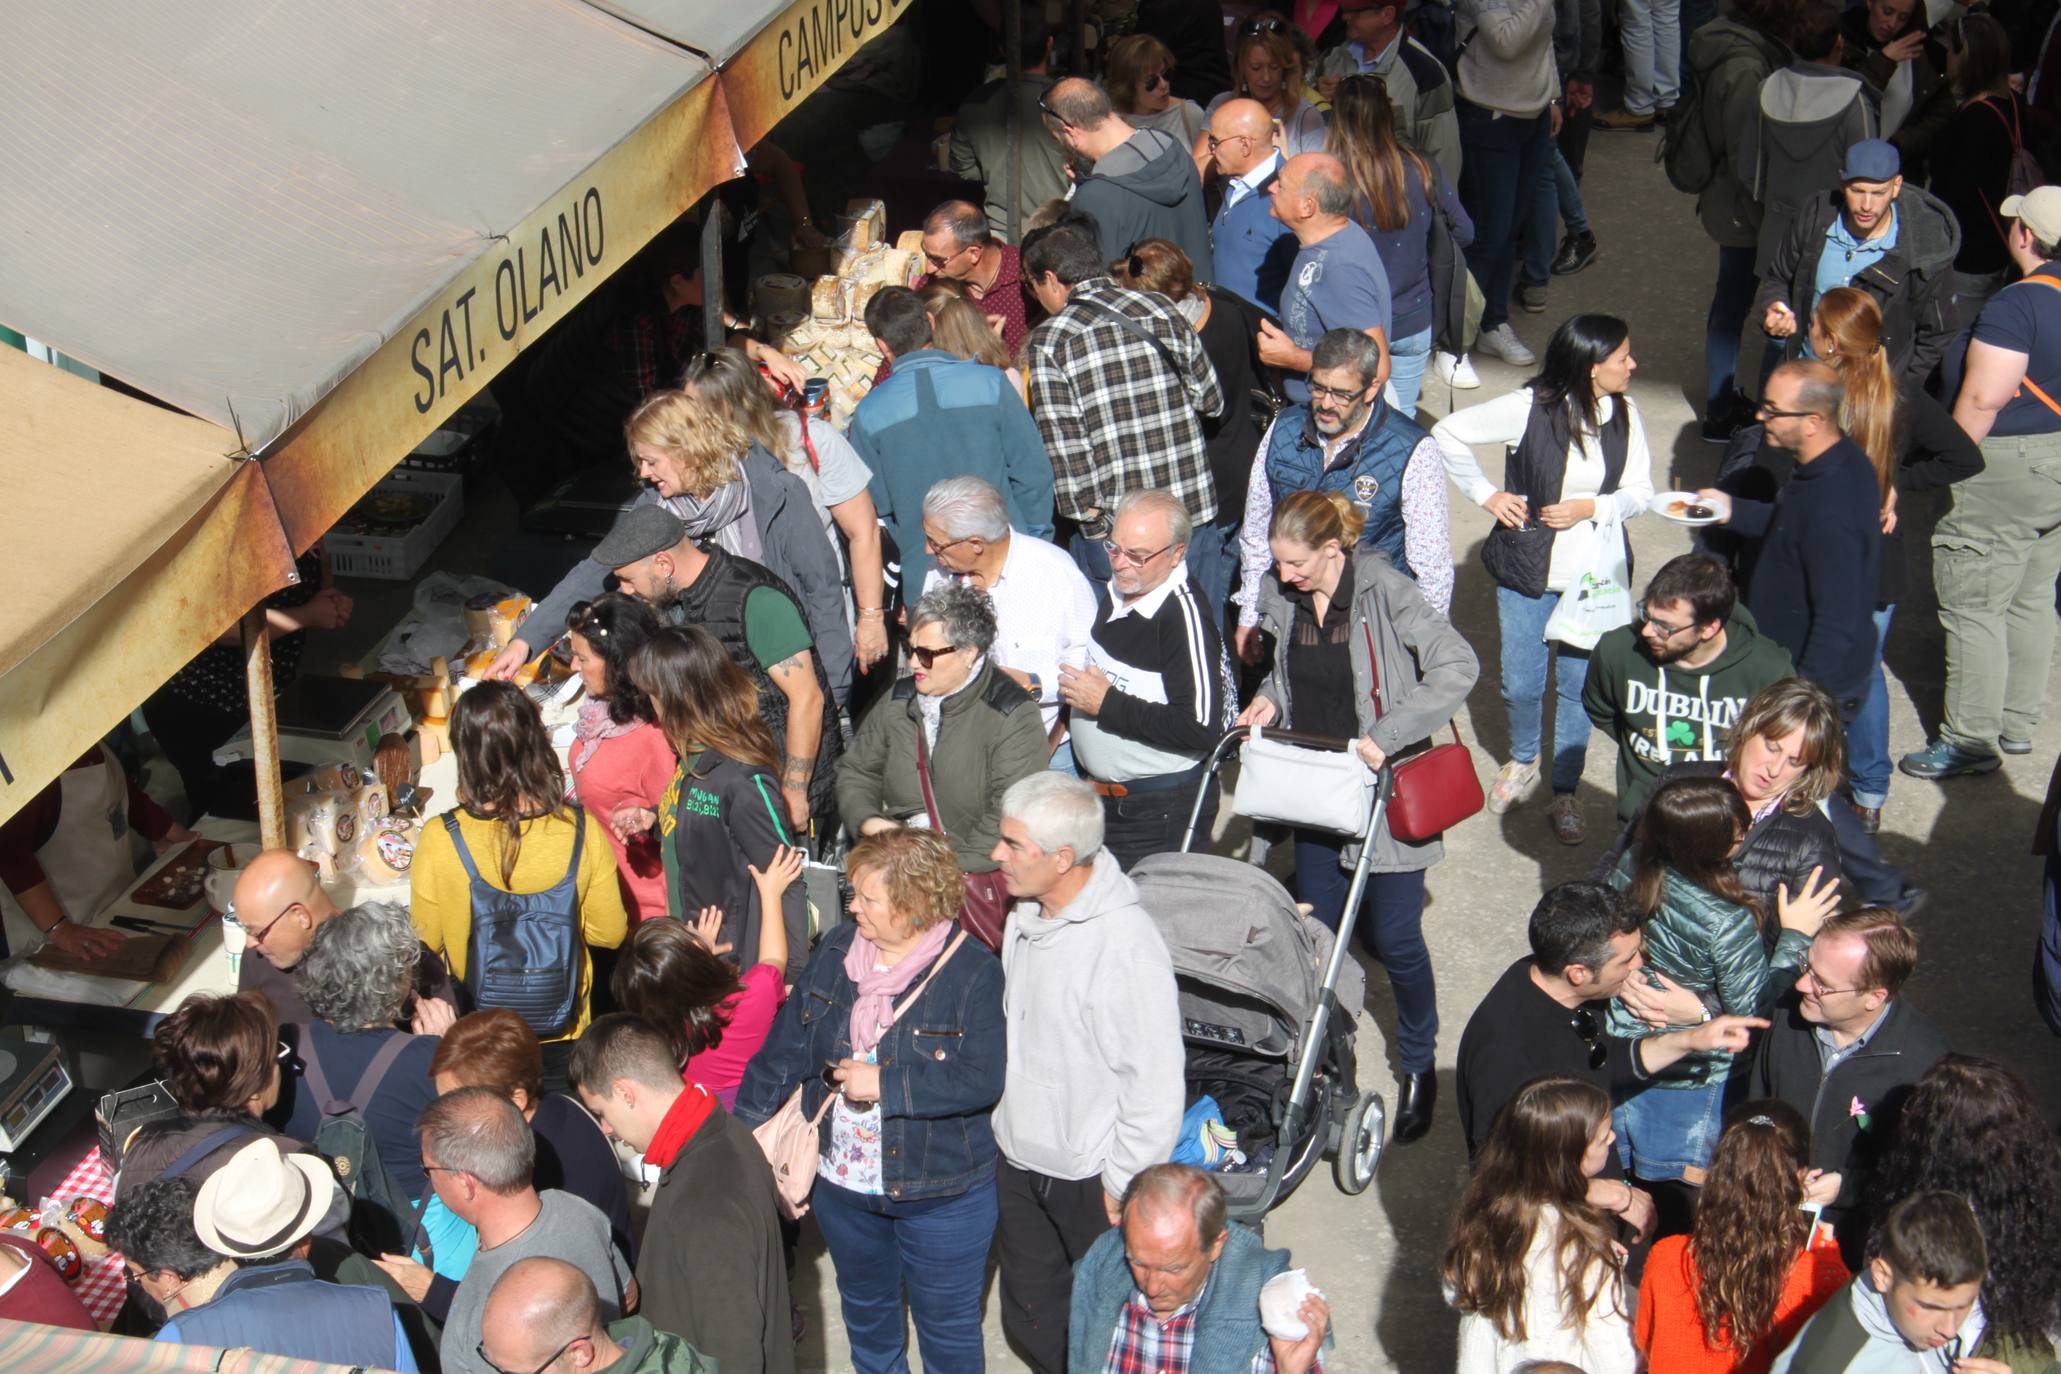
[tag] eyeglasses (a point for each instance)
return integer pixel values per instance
(429, 1168)
(1667, 631)
(481, 1349)
(1819, 983)
(934, 548)
(1118, 554)
(939, 264)
(1046, 108)
(1766, 411)
(1262, 24)
(927, 656)
(256, 935)
(1585, 1025)
(1215, 142)
(1335, 393)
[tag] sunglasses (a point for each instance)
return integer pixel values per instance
(1045, 107)
(927, 656)
(1262, 24)
(1586, 1026)
(1157, 79)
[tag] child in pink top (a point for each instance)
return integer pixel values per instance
(675, 976)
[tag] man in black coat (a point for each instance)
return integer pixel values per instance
(1845, 1051)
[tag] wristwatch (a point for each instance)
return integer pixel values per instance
(1037, 685)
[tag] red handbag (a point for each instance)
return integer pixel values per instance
(1434, 790)
(985, 908)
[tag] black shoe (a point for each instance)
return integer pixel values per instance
(1413, 1106)
(1910, 901)
(1870, 817)
(1576, 252)
(1722, 420)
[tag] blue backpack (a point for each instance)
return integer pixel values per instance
(524, 950)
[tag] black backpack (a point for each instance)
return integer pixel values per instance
(384, 1218)
(1684, 149)
(524, 950)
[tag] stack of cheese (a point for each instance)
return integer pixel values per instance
(833, 341)
(339, 820)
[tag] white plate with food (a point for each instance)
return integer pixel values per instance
(1683, 508)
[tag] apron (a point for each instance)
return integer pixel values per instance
(88, 860)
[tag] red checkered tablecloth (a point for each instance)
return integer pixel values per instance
(101, 1287)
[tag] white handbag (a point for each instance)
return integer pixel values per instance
(1321, 789)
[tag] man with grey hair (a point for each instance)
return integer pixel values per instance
(958, 246)
(1044, 606)
(478, 1152)
(1150, 703)
(1157, 1270)
(1347, 438)
(1337, 280)
(545, 1310)
(355, 976)
(1094, 1082)
(1140, 183)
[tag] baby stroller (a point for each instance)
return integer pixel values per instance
(1267, 1001)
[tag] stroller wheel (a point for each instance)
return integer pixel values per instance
(1360, 1141)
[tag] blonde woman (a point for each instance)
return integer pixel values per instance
(1267, 67)
(958, 327)
(701, 464)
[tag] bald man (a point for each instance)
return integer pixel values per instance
(544, 1313)
(279, 902)
(1337, 280)
(1238, 158)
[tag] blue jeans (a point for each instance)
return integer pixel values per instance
(1499, 174)
(1662, 1132)
(1868, 767)
(1391, 928)
(1651, 31)
(1730, 302)
(1541, 223)
(1569, 188)
(1407, 358)
(937, 1247)
(1525, 653)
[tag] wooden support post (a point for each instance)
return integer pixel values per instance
(264, 729)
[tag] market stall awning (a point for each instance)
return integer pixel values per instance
(133, 538)
(770, 56)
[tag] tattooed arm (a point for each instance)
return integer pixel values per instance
(795, 676)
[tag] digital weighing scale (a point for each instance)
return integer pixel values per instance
(33, 1080)
(325, 720)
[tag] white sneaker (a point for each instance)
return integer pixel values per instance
(1504, 343)
(1456, 371)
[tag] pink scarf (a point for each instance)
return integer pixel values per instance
(873, 1010)
(593, 726)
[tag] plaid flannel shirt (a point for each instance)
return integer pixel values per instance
(1114, 422)
(1145, 1345)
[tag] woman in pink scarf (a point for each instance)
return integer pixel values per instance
(905, 1185)
(620, 761)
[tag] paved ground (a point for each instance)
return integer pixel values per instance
(1377, 1255)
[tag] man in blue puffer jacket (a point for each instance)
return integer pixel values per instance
(1176, 1288)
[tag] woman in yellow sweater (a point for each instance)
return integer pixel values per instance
(517, 883)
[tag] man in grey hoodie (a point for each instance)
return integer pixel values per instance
(1095, 1086)
(1142, 183)
(1914, 1306)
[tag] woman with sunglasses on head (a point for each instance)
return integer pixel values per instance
(1359, 654)
(1709, 935)
(619, 756)
(959, 328)
(957, 719)
(221, 1058)
(1267, 66)
(1726, 1297)
(1533, 1266)
(1136, 75)
(1578, 471)
(1399, 194)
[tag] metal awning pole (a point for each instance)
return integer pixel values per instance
(264, 729)
(1012, 43)
(712, 325)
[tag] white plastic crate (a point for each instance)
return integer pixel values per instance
(401, 557)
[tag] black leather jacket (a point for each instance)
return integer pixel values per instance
(1781, 849)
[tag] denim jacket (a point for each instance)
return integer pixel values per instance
(941, 1067)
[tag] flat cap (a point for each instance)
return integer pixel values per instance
(642, 532)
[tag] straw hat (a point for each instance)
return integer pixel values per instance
(262, 1203)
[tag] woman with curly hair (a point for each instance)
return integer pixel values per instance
(1971, 1127)
(1532, 1265)
(906, 1013)
(1739, 1286)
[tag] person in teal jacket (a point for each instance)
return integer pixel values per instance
(1708, 934)
(1176, 1280)
(936, 416)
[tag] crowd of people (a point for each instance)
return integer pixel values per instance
(1151, 474)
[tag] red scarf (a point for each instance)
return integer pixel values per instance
(683, 1119)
